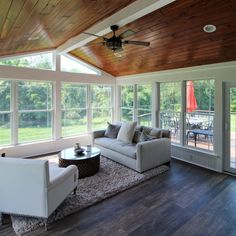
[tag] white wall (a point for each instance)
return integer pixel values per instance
(16, 73)
(221, 72)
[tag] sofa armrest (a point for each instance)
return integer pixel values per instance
(153, 153)
(97, 134)
(71, 170)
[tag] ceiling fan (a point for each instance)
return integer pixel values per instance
(115, 43)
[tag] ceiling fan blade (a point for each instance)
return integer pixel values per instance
(94, 35)
(137, 43)
(126, 34)
(95, 43)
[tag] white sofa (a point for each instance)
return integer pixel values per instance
(140, 156)
(34, 187)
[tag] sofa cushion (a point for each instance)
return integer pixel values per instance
(146, 137)
(126, 132)
(112, 130)
(147, 130)
(117, 146)
(156, 132)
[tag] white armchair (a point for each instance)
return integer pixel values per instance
(34, 187)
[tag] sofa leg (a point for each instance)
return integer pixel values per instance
(74, 192)
(167, 163)
(4, 219)
(1, 219)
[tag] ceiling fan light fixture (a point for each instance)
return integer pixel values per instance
(114, 45)
(209, 28)
(116, 54)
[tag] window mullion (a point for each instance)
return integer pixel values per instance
(14, 113)
(183, 114)
(89, 108)
(135, 104)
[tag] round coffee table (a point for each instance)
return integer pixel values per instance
(88, 162)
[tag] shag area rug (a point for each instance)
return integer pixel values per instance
(111, 179)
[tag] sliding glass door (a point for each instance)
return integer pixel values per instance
(230, 127)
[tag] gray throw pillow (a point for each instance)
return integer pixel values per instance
(112, 130)
(126, 132)
(157, 132)
(146, 137)
(137, 135)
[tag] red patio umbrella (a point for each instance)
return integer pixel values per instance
(191, 101)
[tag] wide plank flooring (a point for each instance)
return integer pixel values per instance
(186, 200)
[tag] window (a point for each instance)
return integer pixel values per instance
(200, 113)
(136, 103)
(144, 104)
(34, 111)
(5, 112)
(70, 64)
(40, 61)
(127, 103)
(74, 109)
(170, 108)
(101, 102)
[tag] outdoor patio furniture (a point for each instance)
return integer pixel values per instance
(197, 132)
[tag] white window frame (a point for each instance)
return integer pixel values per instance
(17, 112)
(75, 109)
(91, 108)
(135, 107)
(32, 54)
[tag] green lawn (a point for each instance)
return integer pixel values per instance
(34, 134)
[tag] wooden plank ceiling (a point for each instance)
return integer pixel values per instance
(36, 25)
(176, 37)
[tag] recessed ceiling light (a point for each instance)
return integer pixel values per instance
(209, 28)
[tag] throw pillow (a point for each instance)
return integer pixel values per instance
(126, 132)
(137, 135)
(146, 137)
(156, 132)
(112, 130)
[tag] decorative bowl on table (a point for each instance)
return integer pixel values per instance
(79, 151)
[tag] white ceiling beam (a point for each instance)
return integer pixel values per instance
(126, 15)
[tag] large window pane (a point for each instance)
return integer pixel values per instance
(35, 111)
(100, 118)
(5, 129)
(144, 104)
(5, 114)
(70, 64)
(41, 61)
(170, 108)
(101, 106)
(74, 109)
(200, 113)
(34, 126)
(34, 95)
(127, 102)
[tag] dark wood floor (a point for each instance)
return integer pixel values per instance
(186, 200)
